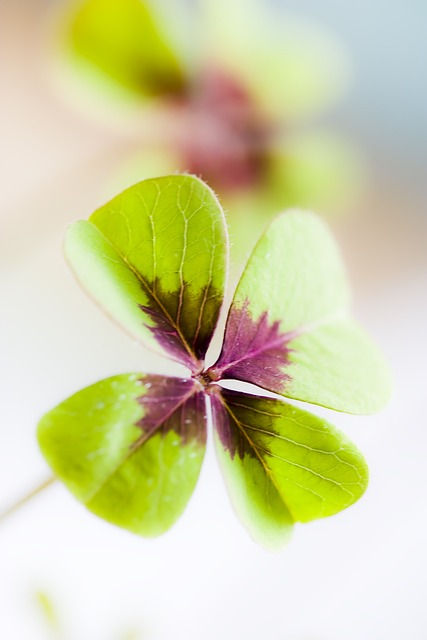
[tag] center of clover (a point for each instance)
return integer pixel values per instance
(206, 378)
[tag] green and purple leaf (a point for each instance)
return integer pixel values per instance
(283, 465)
(122, 40)
(155, 258)
(253, 351)
(130, 448)
(289, 330)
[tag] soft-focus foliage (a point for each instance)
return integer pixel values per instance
(48, 611)
(121, 39)
(237, 109)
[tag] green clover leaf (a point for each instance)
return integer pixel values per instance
(155, 258)
(301, 342)
(131, 447)
(122, 40)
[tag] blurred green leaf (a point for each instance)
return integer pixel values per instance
(48, 610)
(294, 68)
(317, 169)
(122, 39)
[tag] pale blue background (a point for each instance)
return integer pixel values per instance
(387, 40)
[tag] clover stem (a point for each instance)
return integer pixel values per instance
(25, 499)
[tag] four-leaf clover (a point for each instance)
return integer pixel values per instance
(131, 447)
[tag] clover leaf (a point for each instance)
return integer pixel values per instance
(155, 258)
(122, 40)
(131, 447)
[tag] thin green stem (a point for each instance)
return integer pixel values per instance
(25, 499)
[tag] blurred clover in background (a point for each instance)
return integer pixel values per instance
(230, 90)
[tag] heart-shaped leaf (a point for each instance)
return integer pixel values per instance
(289, 329)
(130, 448)
(122, 39)
(283, 465)
(155, 258)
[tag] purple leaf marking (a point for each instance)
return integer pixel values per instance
(166, 334)
(253, 351)
(231, 437)
(189, 420)
(231, 428)
(183, 327)
(172, 404)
